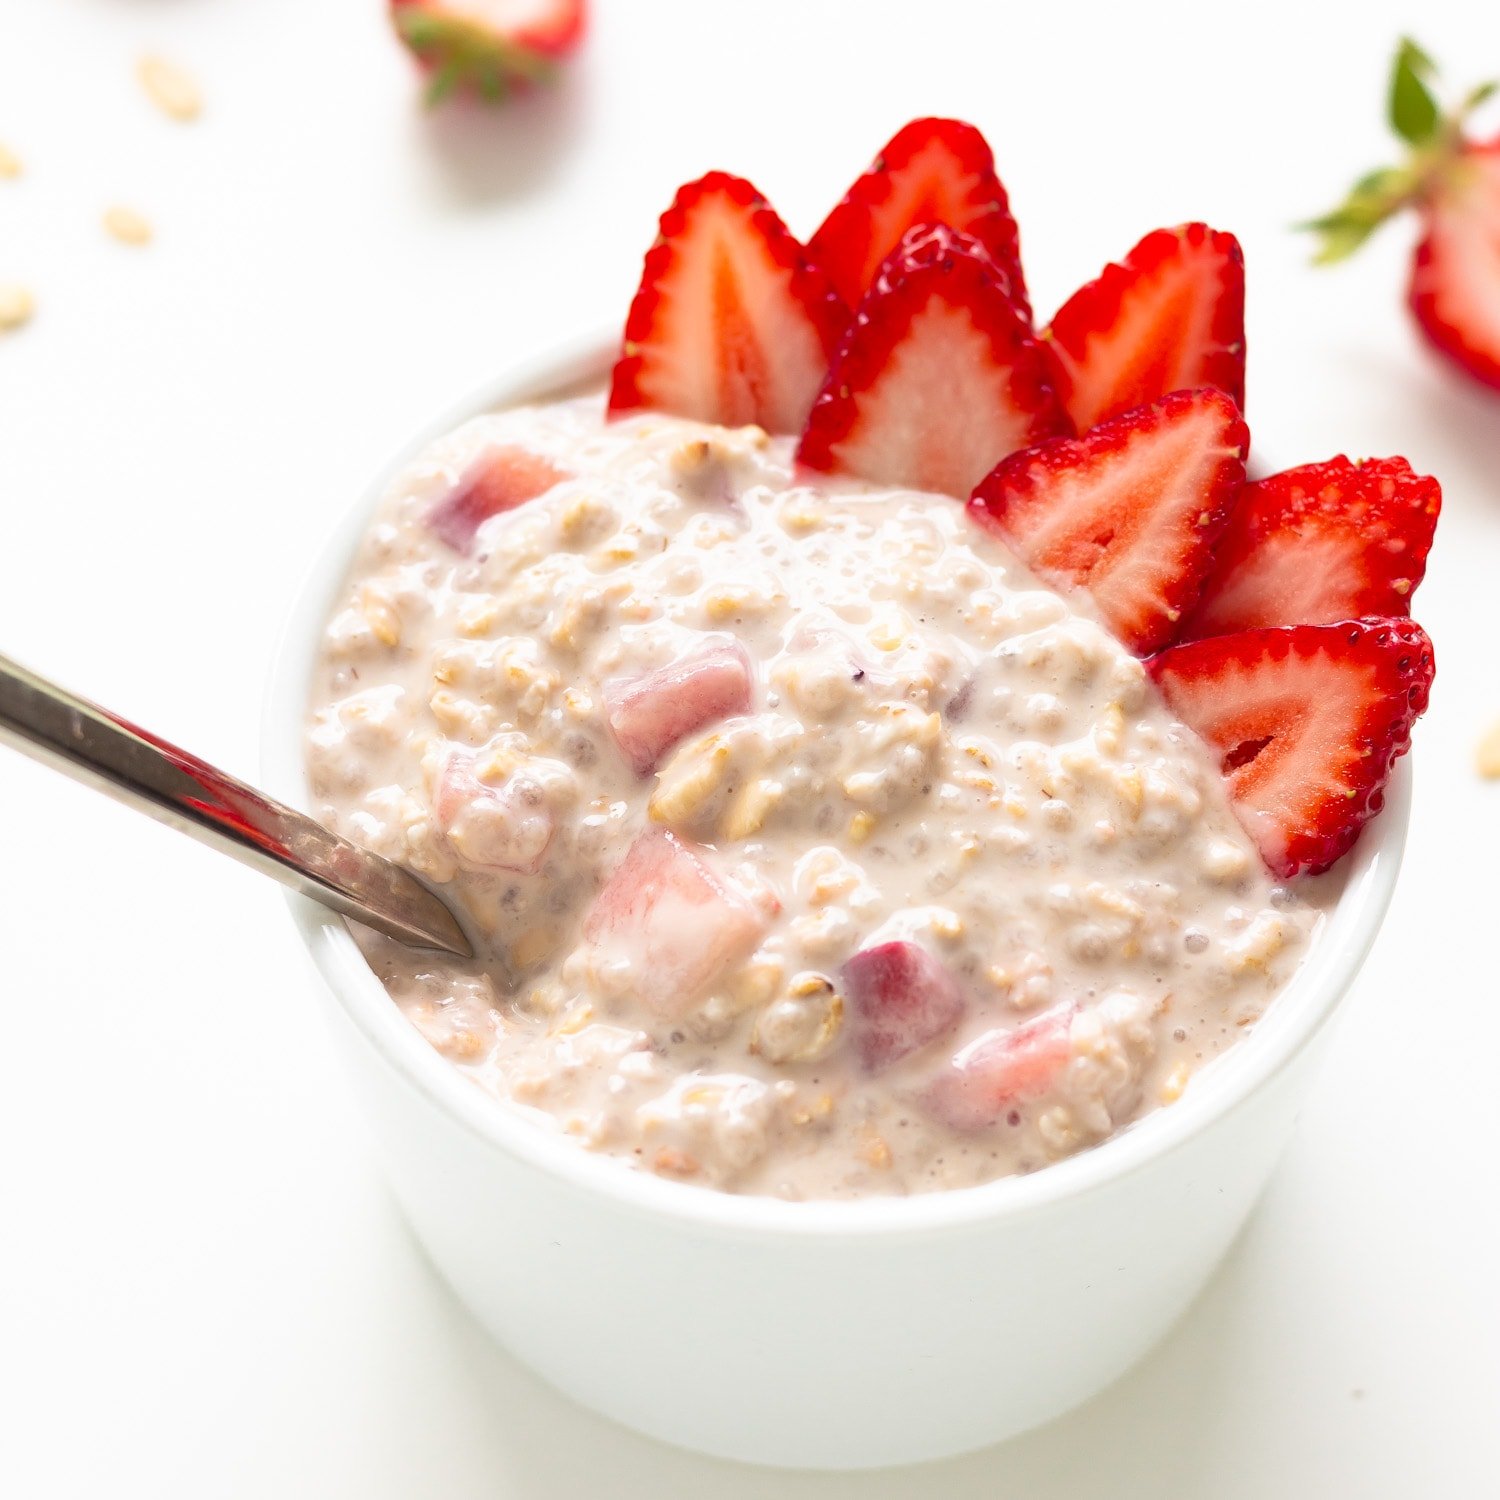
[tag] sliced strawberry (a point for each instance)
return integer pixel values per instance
(648, 715)
(1169, 317)
(937, 379)
(499, 480)
(1455, 276)
(499, 825)
(1002, 1068)
(900, 998)
(731, 324)
(1128, 512)
(930, 172)
(1307, 721)
(488, 47)
(1325, 542)
(667, 926)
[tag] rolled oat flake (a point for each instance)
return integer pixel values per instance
(16, 307)
(171, 89)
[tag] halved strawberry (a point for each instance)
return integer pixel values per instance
(1169, 317)
(1128, 512)
(1307, 721)
(901, 998)
(1453, 182)
(1455, 275)
(731, 324)
(1002, 1068)
(488, 47)
(499, 480)
(937, 379)
(1324, 542)
(930, 172)
(648, 715)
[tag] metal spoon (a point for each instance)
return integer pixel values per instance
(98, 748)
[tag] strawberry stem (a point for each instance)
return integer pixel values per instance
(1436, 140)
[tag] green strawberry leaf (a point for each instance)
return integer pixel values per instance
(1412, 109)
(1481, 93)
(1340, 234)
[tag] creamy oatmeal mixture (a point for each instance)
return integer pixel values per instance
(811, 845)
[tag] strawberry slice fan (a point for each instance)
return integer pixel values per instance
(1107, 452)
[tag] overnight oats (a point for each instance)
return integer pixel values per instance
(879, 748)
(714, 762)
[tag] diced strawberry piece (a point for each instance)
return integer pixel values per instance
(1307, 722)
(648, 715)
(1325, 542)
(931, 172)
(900, 998)
(669, 925)
(937, 379)
(1169, 317)
(488, 47)
(731, 324)
(1129, 511)
(1455, 275)
(499, 480)
(1001, 1069)
(502, 826)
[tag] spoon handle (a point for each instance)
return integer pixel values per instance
(96, 747)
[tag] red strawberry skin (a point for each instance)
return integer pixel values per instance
(648, 715)
(901, 998)
(501, 480)
(1170, 316)
(1002, 1068)
(1455, 278)
(731, 324)
(932, 171)
(483, 47)
(1307, 721)
(1129, 512)
(937, 378)
(1319, 543)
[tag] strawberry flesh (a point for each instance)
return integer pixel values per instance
(1169, 317)
(498, 481)
(931, 172)
(648, 715)
(1307, 722)
(669, 923)
(504, 826)
(731, 324)
(1455, 280)
(1000, 1069)
(900, 998)
(1324, 542)
(937, 379)
(1128, 512)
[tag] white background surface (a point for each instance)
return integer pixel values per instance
(204, 1289)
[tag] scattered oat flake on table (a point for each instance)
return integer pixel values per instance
(1487, 757)
(173, 91)
(16, 306)
(127, 226)
(10, 163)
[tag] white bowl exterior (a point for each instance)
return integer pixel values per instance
(815, 1335)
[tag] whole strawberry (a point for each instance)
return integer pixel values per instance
(1453, 183)
(487, 48)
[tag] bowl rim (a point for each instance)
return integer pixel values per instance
(1296, 1016)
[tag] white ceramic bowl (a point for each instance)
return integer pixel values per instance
(826, 1335)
